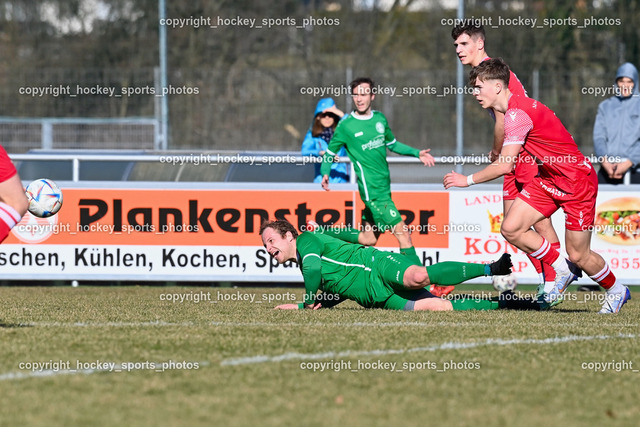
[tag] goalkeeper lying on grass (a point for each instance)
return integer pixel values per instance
(374, 278)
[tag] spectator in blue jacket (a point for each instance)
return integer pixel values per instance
(616, 133)
(325, 120)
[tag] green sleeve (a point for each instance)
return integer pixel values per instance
(310, 249)
(336, 143)
(398, 147)
(405, 150)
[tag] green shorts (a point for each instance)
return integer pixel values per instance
(382, 214)
(387, 275)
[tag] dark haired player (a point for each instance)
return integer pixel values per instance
(469, 41)
(366, 136)
(567, 180)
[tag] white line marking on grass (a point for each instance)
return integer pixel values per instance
(46, 373)
(106, 324)
(157, 323)
(116, 368)
(396, 324)
(445, 346)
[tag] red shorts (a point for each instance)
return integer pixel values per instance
(579, 206)
(518, 178)
(7, 169)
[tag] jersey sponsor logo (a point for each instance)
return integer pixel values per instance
(553, 191)
(526, 194)
(357, 134)
(376, 142)
(513, 114)
(380, 127)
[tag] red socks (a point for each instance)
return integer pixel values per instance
(9, 217)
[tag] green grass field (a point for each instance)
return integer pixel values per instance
(242, 363)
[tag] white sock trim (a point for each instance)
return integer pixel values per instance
(542, 251)
(9, 215)
(601, 274)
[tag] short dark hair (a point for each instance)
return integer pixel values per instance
(357, 82)
(491, 69)
(471, 27)
(281, 226)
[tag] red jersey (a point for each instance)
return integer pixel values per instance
(515, 86)
(533, 125)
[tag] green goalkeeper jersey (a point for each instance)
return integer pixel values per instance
(366, 140)
(338, 267)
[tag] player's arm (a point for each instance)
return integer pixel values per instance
(310, 249)
(502, 166)
(406, 150)
(328, 300)
(330, 156)
(498, 136)
(515, 135)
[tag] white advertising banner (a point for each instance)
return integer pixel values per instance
(132, 231)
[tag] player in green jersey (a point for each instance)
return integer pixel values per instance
(374, 278)
(366, 136)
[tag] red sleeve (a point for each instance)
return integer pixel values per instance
(517, 125)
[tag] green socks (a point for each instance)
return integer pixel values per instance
(467, 302)
(411, 254)
(453, 272)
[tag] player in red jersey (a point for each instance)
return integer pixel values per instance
(469, 40)
(13, 201)
(566, 180)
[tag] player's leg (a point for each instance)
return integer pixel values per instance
(510, 190)
(517, 229)
(545, 228)
(13, 201)
(517, 226)
(386, 216)
(422, 300)
(402, 234)
(580, 253)
(427, 302)
(369, 233)
(453, 272)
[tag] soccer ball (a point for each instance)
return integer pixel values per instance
(45, 197)
(504, 283)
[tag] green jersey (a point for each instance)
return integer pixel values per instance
(338, 267)
(366, 140)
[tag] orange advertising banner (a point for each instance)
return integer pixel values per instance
(200, 217)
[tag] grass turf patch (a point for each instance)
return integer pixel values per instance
(207, 356)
